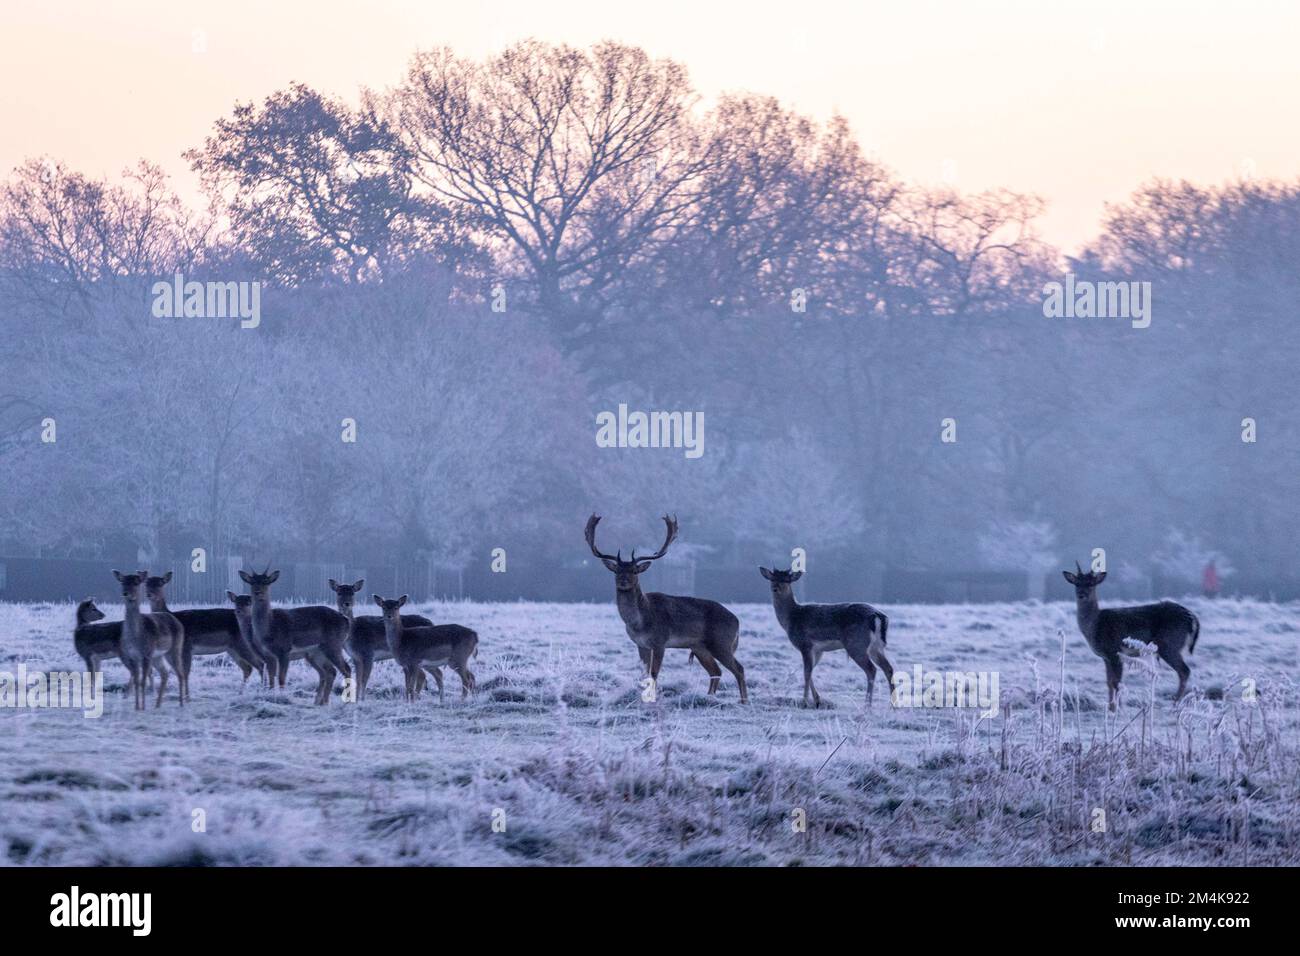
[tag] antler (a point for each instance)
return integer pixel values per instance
(591, 541)
(1076, 566)
(668, 539)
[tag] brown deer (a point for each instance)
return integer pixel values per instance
(367, 639)
(280, 635)
(1166, 625)
(411, 647)
(97, 642)
(148, 639)
(212, 630)
(657, 621)
(814, 629)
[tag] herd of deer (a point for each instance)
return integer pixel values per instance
(262, 638)
(259, 637)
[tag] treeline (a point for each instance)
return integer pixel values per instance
(472, 264)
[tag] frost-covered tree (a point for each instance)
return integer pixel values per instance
(1183, 556)
(1028, 546)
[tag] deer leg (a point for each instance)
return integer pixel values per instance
(1114, 671)
(808, 685)
(710, 664)
(862, 658)
(437, 679)
(244, 666)
(361, 667)
(327, 684)
(645, 659)
(282, 666)
(466, 679)
(656, 662)
(727, 658)
(370, 669)
(183, 662)
(1172, 655)
(178, 661)
(876, 651)
(163, 674)
(335, 656)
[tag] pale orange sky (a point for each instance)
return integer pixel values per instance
(1076, 102)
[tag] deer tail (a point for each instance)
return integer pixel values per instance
(1196, 632)
(690, 658)
(884, 629)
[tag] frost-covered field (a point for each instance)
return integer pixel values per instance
(559, 748)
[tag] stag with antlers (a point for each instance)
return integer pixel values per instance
(657, 621)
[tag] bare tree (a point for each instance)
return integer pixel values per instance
(577, 162)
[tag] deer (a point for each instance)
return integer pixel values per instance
(96, 642)
(367, 637)
(243, 610)
(154, 638)
(412, 647)
(1167, 625)
(207, 631)
(657, 621)
(281, 635)
(858, 629)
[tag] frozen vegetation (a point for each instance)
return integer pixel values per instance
(560, 750)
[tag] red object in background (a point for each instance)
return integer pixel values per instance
(1210, 581)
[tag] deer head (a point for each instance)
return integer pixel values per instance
(781, 580)
(392, 610)
(131, 585)
(87, 612)
(625, 572)
(346, 595)
(260, 583)
(1085, 582)
(155, 588)
(243, 602)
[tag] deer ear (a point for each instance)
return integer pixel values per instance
(611, 564)
(642, 567)
(765, 572)
(117, 574)
(377, 599)
(334, 585)
(796, 576)
(275, 576)
(401, 601)
(1101, 577)
(359, 584)
(167, 578)
(243, 576)
(231, 595)
(1070, 577)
